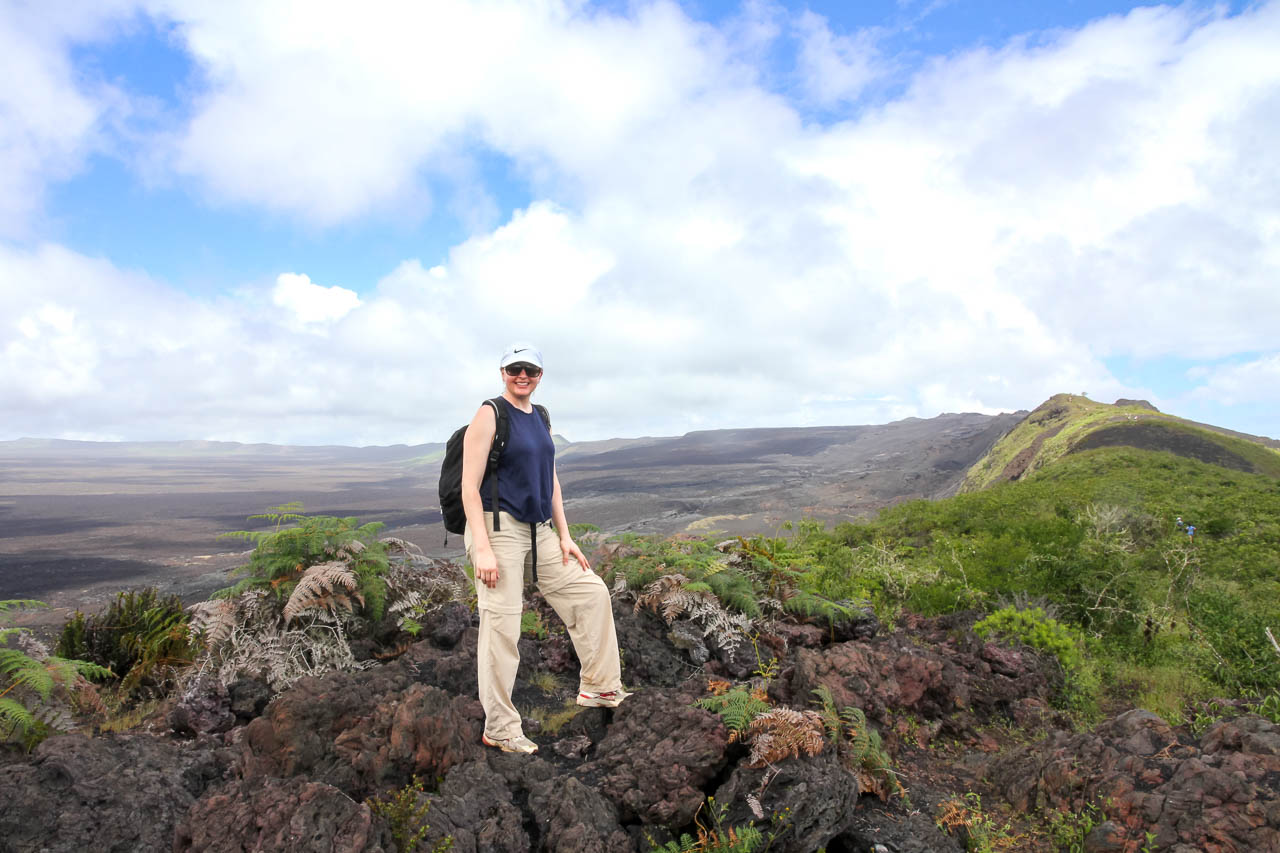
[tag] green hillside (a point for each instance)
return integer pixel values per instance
(1069, 423)
(1093, 541)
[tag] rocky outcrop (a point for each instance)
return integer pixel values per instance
(361, 744)
(575, 818)
(285, 815)
(648, 655)
(118, 792)
(1218, 796)
(475, 807)
(657, 758)
(961, 684)
(813, 799)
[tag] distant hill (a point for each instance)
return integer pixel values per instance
(1069, 423)
(56, 448)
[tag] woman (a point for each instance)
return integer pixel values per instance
(531, 528)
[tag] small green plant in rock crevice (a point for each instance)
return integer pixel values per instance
(551, 722)
(533, 625)
(859, 745)
(1069, 829)
(964, 818)
(405, 815)
(715, 837)
(1268, 707)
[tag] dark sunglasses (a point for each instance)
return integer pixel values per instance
(527, 369)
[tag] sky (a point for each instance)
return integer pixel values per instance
(322, 222)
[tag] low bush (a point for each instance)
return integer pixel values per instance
(141, 636)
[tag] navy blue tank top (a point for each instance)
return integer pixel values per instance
(525, 469)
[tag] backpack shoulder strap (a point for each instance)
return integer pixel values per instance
(546, 416)
(502, 429)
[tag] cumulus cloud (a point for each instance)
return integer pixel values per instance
(49, 114)
(311, 304)
(697, 253)
(1253, 381)
(836, 68)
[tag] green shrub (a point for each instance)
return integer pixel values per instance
(532, 625)
(1032, 627)
(141, 636)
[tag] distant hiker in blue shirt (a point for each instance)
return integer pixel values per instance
(1191, 532)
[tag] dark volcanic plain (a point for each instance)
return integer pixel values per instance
(80, 521)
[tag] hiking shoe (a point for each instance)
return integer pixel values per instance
(612, 699)
(519, 743)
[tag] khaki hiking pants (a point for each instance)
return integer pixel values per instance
(579, 597)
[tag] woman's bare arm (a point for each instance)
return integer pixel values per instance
(475, 455)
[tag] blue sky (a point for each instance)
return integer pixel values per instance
(236, 222)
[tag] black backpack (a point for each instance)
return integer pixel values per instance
(455, 517)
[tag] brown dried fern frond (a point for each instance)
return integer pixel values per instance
(401, 546)
(87, 698)
(669, 597)
(666, 595)
(718, 687)
(345, 550)
(215, 618)
(395, 651)
(320, 588)
(784, 733)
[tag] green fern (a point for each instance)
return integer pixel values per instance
(15, 717)
(830, 713)
(738, 839)
(29, 709)
(859, 744)
(807, 604)
(862, 740)
(735, 592)
(22, 670)
(737, 707)
(282, 555)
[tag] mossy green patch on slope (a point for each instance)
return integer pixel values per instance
(1067, 423)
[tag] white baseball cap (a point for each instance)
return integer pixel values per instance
(524, 352)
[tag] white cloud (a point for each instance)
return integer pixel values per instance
(312, 304)
(1253, 381)
(697, 254)
(49, 115)
(836, 68)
